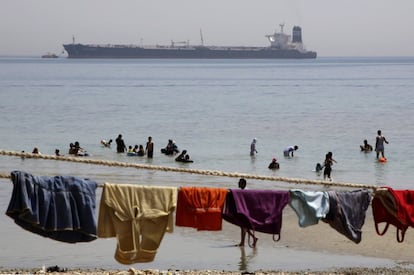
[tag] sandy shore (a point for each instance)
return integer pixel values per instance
(132, 271)
(316, 249)
(322, 237)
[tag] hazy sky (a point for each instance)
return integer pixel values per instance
(330, 27)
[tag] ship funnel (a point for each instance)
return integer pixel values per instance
(297, 34)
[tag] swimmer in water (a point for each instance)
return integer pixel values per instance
(274, 164)
(366, 147)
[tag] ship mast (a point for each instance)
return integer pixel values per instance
(281, 27)
(279, 40)
(201, 36)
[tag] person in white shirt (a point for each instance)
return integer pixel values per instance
(288, 152)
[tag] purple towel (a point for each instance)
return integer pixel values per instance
(258, 210)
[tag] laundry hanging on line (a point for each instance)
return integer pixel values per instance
(200, 207)
(67, 190)
(256, 210)
(394, 207)
(138, 216)
(61, 208)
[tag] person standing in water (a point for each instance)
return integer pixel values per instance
(328, 166)
(120, 144)
(253, 150)
(379, 144)
(150, 148)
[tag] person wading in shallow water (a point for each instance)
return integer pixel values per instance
(328, 166)
(253, 150)
(366, 147)
(274, 164)
(288, 152)
(120, 144)
(379, 144)
(150, 148)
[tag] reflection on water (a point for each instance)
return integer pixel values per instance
(380, 173)
(245, 259)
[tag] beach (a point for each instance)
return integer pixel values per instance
(316, 249)
(213, 109)
(132, 271)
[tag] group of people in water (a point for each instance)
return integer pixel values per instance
(365, 147)
(287, 152)
(326, 167)
(138, 150)
(74, 149)
(172, 149)
(379, 146)
(77, 150)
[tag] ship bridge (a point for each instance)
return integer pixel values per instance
(280, 40)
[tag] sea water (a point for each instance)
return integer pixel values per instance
(213, 109)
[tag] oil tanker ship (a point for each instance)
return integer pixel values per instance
(281, 46)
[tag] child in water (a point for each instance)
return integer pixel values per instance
(318, 168)
(328, 166)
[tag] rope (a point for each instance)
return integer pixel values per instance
(182, 170)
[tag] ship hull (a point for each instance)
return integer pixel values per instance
(113, 51)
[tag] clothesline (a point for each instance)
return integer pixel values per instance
(135, 214)
(182, 170)
(139, 216)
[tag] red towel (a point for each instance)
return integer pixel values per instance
(200, 207)
(394, 207)
(405, 204)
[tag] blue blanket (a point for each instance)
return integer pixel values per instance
(61, 207)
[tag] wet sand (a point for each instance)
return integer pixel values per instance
(322, 237)
(133, 271)
(317, 249)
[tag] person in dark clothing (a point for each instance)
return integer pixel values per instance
(274, 164)
(328, 166)
(150, 148)
(171, 148)
(120, 144)
(181, 157)
(141, 151)
(366, 147)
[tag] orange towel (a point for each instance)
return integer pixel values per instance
(200, 207)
